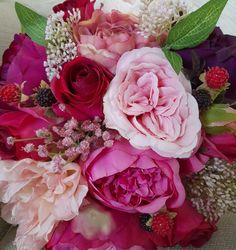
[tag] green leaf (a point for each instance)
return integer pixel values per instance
(218, 113)
(174, 59)
(216, 130)
(32, 23)
(196, 27)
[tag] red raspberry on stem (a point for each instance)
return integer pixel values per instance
(162, 224)
(10, 93)
(217, 77)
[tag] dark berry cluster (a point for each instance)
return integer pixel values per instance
(145, 222)
(203, 98)
(45, 97)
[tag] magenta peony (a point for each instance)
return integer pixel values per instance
(19, 124)
(221, 146)
(100, 228)
(23, 62)
(148, 104)
(132, 180)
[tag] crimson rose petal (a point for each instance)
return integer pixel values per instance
(81, 87)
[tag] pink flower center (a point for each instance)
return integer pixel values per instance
(134, 186)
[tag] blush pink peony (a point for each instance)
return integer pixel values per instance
(148, 104)
(132, 180)
(106, 36)
(37, 197)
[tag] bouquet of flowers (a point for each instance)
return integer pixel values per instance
(118, 130)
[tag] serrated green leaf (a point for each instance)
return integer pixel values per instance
(32, 23)
(174, 59)
(196, 27)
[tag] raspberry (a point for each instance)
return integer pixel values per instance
(203, 98)
(145, 220)
(217, 77)
(45, 97)
(10, 93)
(162, 224)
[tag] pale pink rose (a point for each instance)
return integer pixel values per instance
(132, 180)
(106, 36)
(148, 104)
(37, 196)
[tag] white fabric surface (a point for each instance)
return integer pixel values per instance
(225, 238)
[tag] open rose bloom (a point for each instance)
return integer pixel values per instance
(148, 104)
(108, 141)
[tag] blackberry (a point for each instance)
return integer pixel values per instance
(203, 98)
(145, 222)
(45, 97)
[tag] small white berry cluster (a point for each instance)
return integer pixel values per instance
(213, 191)
(61, 46)
(156, 17)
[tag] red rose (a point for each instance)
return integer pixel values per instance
(86, 8)
(81, 88)
(190, 228)
(20, 125)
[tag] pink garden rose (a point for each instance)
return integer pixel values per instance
(106, 36)
(37, 195)
(100, 228)
(148, 104)
(132, 180)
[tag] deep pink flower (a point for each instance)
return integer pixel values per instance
(190, 228)
(106, 36)
(86, 7)
(133, 180)
(222, 146)
(23, 61)
(21, 125)
(105, 229)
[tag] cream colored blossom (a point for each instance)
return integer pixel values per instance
(37, 196)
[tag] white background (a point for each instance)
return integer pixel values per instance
(225, 238)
